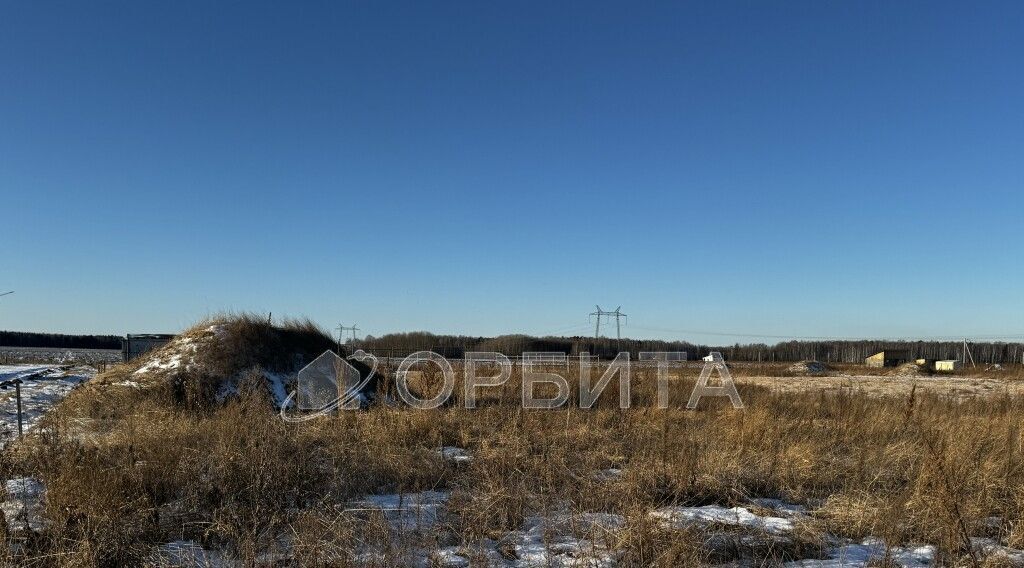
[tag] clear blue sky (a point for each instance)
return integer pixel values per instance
(784, 168)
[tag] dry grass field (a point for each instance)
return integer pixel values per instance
(152, 464)
(857, 379)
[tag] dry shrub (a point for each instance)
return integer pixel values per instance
(645, 543)
(324, 536)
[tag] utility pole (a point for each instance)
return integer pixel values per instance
(597, 322)
(618, 327)
(617, 314)
(967, 353)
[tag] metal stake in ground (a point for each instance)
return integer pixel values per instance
(16, 383)
(17, 395)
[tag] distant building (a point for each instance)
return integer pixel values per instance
(134, 345)
(889, 358)
(948, 365)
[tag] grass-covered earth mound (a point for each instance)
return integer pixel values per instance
(208, 364)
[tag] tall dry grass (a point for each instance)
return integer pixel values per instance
(920, 469)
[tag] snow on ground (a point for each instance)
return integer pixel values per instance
(407, 512)
(990, 548)
(187, 553)
(276, 382)
(11, 355)
(8, 372)
(409, 516)
(560, 540)
(842, 554)
(277, 386)
(191, 554)
(157, 364)
(871, 550)
(674, 517)
(455, 454)
(42, 388)
(179, 352)
(564, 539)
(23, 506)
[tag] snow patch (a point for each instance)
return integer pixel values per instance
(871, 550)
(455, 454)
(41, 389)
(23, 507)
(407, 512)
(675, 517)
(156, 364)
(565, 539)
(10, 372)
(989, 548)
(450, 557)
(187, 553)
(277, 389)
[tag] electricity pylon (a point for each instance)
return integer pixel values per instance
(342, 329)
(617, 314)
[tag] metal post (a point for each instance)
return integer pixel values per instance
(618, 330)
(17, 395)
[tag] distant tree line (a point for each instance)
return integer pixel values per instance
(58, 340)
(826, 351)
(857, 351)
(458, 345)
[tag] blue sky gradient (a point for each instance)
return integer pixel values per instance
(793, 169)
